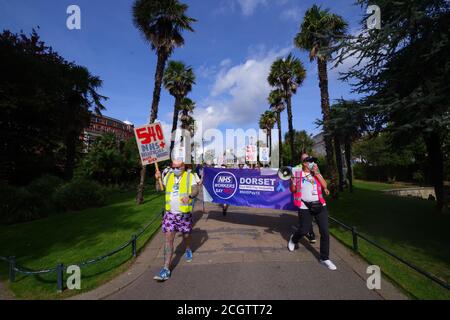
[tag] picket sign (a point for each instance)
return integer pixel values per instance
(152, 145)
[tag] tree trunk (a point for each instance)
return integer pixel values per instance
(162, 58)
(325, 104)
(270, 145)
(348, 160)
(291, 129)
(174, 124)
(337, 150)
(70, 157)
(436, 159)
(280, 140)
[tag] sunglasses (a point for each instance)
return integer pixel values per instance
(310, 159)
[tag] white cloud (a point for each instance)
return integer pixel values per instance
(294, 14)
(239, 93)
(249, 6)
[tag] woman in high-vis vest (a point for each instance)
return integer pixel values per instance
(181, 188)
(308, 186)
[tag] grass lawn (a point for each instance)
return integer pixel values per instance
(410, 228)
(73, 237)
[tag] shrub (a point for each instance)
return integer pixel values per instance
(17, 205)
(45, 185)
(41, 190)
(79, 194)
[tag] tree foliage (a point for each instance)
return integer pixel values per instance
(45, 102)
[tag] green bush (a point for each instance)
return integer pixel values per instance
(41, 190)
(45, 185)
(80, 194)
(17, 205)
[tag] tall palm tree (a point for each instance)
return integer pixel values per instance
(287, 75)
(161, 22)
(187, 107)
(267, 122)
(319, 31)
(278, 105)
(178, 80)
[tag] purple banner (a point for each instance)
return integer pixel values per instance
(258, 188)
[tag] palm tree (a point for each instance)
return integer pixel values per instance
(319, 30)
(187, 107)
(161, 22)
(267, 122)
(178, 80)
(278, 105)
(287, 75)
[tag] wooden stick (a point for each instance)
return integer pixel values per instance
(160, 180)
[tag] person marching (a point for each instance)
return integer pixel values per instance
(307, 186)
(181, 188)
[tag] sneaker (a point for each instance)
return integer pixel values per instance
(291, 244)
(327, 263)
(311, 237)
(188, 255)
(163, 275)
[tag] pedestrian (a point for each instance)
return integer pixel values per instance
(181, 188)
(307, 185)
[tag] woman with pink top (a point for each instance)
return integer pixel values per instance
(308, 187)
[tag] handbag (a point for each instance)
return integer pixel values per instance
(315, 207)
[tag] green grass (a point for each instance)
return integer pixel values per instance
(73, 237)
(410, 228)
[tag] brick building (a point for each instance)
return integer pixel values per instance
(99, 125)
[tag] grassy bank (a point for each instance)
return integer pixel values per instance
(73, 237)
(411, 228)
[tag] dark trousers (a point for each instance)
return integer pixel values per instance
(306, 219)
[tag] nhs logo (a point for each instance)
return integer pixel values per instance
(225, 179)
(225, 185)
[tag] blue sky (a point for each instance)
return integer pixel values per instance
(234, 44)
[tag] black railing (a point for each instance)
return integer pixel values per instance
(14, 268)
(356, 235)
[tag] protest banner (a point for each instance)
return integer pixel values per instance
(264, 155)
(152, 145)
(247, 187)
(251, 153)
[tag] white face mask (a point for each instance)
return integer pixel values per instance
(177, 172)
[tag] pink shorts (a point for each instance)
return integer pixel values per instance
(177, 222)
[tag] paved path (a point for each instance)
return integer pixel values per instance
(244, 256)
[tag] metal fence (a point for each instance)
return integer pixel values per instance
(356, 235)
(60, 268)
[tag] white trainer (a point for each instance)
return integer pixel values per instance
(291, 245)
(327, 263)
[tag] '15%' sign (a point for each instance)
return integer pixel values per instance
(151, 143)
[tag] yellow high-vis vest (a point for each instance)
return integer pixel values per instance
(185, 189)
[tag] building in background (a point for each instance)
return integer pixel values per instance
(99, 125)
(319, 145)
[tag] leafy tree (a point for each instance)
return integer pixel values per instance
(45, 102)
(109, 161)
(287, 74)
(319, 31)
(406, 75)
(348, 121)
(302, 143)
(161, 23)
(178, 80)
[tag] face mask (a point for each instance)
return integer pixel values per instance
(177, 172)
